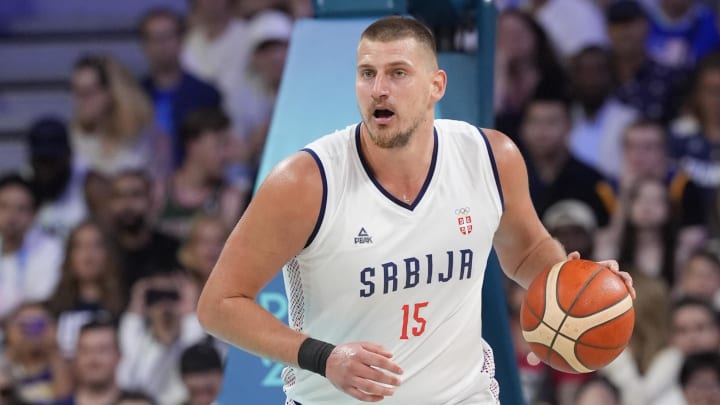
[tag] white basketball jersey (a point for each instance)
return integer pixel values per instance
(405, 276)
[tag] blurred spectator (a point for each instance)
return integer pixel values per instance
(202, 373)
(645, 154)
(648, 241)
(653, 89)
(269, 34)
(159, 324)
(554, 173)
(681, 31)
(29, 258)
(700, 378)
(98, 356)
(135, 398)
(571, 24)
(198, 186)
(201, 250)
(696, 135)
(56, 180)
(174, 92)
(142, 249)
(597, 391)
(251, 107)
(34, 360)
(700, 277)
(113, 125)
(523, 59)
(646, 371)
(216, 46)
(644, 146)
(573, 224)
(90, 284)
(695, 326)
(598, 118)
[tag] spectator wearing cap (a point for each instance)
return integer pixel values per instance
(653, 89)
(57, 181)
(681, 31)
(251, 108)
(29, 258)
(174, 91)
(201, 369)
(573, 224)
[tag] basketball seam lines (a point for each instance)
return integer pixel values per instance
(595, 326)
(572, 304)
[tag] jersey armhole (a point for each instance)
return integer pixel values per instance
(323, 204)
(494, 168)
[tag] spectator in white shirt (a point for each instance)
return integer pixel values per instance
(29, 258)
(215, 48)
(159, 324)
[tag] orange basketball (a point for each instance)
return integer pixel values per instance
(577, 316)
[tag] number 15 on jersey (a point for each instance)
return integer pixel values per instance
(418, 325)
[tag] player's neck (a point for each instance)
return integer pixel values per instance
(401, 170)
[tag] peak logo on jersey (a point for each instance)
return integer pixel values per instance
(363, 237)
(464, 220)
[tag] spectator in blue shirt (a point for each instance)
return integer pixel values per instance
(643, 83)
(681, 31)
(174, 91)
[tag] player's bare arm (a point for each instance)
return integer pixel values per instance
(274, 228)
(523, 245)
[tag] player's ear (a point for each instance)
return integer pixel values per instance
(439, 82)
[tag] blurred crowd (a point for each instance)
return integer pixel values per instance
(109, 234)
(616, 108)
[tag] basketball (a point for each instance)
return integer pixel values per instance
(577, 316)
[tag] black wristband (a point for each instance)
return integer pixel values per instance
(313, 355)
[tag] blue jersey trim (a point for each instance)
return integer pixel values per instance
(321, 215)
(377, 184)
(494, 168)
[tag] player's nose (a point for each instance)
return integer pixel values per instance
(380, 87)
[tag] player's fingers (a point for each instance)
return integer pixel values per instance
(627, 278)
(370, 387)
(573, 255)
(374, 374)
(357, 394)
(381, 362)
(612, 265)
(375, 348)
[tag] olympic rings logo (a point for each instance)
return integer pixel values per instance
(462, 211)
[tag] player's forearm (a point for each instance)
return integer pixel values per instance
(244, 323)
(544, 253)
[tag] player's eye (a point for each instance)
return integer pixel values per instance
(399, 73)
(367, 74)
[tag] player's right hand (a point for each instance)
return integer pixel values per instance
(361, 369)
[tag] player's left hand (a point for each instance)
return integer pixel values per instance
(615, 267)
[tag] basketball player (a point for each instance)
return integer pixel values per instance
(384, 229)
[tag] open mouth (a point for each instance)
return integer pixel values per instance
(383, 114)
